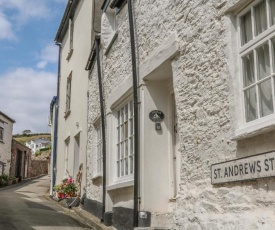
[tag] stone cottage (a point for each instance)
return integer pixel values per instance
(6, 127)
(20, 160)
(205, 98)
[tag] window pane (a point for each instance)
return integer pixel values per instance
(122, 167)
(118, 135)
(246, 28)
(126, 148)
(131, 164)
(248, 69)
(260, 18)
(272, 9)
(118, 168)
(273, 53)
(263, 61)
(122, 151)
(126, 166)
(126, 129)
(118, 151)
(250, 104)
(265, 98)
(118, 117)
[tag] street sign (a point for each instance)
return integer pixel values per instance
(247, 168)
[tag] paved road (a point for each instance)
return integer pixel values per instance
(24, 207)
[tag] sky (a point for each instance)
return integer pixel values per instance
(28, 61)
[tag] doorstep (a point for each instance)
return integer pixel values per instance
(87, 217)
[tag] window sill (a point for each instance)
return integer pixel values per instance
(251, 129)
(67, 113)
(69, 54)
(121, 184)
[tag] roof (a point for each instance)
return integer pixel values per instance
(7, 117)
(69, 13)
(41, 140)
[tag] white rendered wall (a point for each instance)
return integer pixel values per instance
(76, 122)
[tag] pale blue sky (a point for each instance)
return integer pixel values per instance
(28, 60)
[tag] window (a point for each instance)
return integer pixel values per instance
(68, 94)
(108, 29)
(1, 134)
(125, 140)
(99, 156)
(71, 36)
(257, 54)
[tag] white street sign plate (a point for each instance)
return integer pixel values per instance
(248, 168)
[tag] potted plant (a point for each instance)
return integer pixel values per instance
(70, 188)
(4, 179)
(59, 190)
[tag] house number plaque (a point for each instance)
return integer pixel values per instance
(156, 116)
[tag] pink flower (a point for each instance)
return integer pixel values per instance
(70, 180)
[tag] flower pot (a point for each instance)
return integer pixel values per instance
(70, 194)
(59, 195)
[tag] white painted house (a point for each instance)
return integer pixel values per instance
(208, 67)
(190, 143)
(37, 144)
(73, 37)
(6, 128)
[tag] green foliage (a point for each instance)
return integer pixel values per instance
(58, 188)
(37, 153)
(45, 149)
(4, 177)
(70, 188)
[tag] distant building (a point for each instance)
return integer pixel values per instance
(6, 126)
(37, 144)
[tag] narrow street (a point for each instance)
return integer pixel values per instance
(24, 206)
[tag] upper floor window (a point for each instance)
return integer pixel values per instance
(68, 94)
(71, 37)
(257, 53)
(1, 134)
(125, 140)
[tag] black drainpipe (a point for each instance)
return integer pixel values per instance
(56, 115)
(101, 99)
(136, 115)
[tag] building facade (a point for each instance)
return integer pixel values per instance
(20, 161)
(37, 144)
(206, 95)
(70, 136)
(6, 127)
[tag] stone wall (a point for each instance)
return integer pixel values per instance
(203, 77)
(38, 167)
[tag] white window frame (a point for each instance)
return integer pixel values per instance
(125, 140)
(71, 37)
(266, 123)
(119, 97)
(99, 146)
(68, 95)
